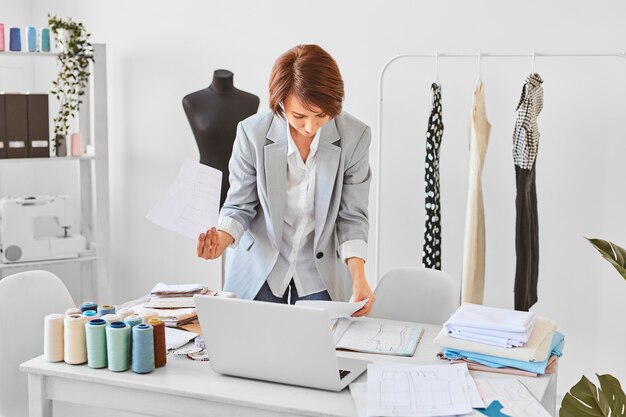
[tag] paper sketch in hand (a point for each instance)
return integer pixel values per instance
(191, 204)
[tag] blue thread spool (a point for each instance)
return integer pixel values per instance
(31, 38)
(91, 314)
(88, 305)
(96, 343)
(106, 309)
(143, 349)
(15, 39)
(118, 346)
(45, 39)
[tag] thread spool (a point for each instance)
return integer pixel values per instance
(72, 311)
(118, 345)
(74, 339)
(15, 39)
(133, 320)
(53, 337)
(125, 312)
(91, 314)
(160, 351)
(96, 343)
(110, 318)
(88, 305)
(45, 39)
(146, 317)
(1, 37)
(31, 38)
(106, 309)
(143, 349)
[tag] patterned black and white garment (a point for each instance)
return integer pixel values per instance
(525, 146)
(431, 253)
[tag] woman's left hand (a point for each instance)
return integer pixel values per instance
(361, 291)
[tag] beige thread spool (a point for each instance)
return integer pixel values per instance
(75, 339)
(53, 337)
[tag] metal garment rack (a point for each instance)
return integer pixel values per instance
(436, 55)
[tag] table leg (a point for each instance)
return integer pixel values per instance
(38, 403)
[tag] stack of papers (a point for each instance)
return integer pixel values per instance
(490, 325)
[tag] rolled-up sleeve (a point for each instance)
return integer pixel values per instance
(352, 220)
(232, 227)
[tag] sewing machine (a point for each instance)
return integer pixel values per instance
(36, 228)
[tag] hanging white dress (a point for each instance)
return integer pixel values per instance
(474, 245)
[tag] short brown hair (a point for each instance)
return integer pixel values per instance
(312, 75)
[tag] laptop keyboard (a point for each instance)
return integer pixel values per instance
(342, 373)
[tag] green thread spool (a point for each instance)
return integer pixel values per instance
(96, 343)
(118, 346)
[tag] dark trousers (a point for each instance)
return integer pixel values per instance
(290, 296)
(526, 239)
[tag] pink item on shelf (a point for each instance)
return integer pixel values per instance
(77, 144)
(1, 37)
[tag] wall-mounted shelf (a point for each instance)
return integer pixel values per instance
(89, 258)
(51, 159)
(30, 54)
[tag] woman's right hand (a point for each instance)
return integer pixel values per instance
(212, 244)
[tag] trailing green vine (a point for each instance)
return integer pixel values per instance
(72, 80)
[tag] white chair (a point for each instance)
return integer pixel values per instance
(25, 299)
(419, 295)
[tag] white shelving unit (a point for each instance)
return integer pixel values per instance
(93, 172)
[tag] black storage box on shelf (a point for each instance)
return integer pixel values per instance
(16, 113)
(3, 128)
(38, 130)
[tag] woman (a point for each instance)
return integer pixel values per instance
(295, 217)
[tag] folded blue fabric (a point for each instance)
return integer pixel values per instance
(556, 348)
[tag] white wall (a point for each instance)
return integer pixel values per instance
(161, 50)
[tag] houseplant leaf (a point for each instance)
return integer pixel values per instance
(587, 400)
(616, 255)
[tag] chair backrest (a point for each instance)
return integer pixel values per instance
(419, 295)
(25, 299)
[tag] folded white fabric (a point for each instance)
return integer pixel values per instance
(162, 288)
(537, 348)
(494, 326)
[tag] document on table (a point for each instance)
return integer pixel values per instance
(191, 204)
(380, 337)
(513, 395)
(336, 309)
(175, 338)
(422, 391)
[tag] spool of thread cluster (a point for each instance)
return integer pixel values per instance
(125, 312)
(15, 39)
(91, 314)
(160, 351)
(106, 309)
(96, 343)
(74, 340)
(72, 311)
(143, 349)
(53, 337)
(45, 39)
(1, 37)
(118, 346)
(146, 317)
(110, 318)
(88, 305)
(31, 38)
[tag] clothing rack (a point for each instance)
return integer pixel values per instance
(436, 55)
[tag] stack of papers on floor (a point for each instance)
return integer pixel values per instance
(538, 355)
(490, 325)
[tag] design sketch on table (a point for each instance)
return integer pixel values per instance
(398, 390)
(380, 338)
(515, 397)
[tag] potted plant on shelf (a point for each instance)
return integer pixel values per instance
(584, 398)
(75, 53)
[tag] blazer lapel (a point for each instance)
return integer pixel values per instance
(328, 156)
(275, 153)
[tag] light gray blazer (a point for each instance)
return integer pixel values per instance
(256, 199)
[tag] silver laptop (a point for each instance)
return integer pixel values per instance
(273, 342)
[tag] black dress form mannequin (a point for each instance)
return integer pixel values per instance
(213, 114)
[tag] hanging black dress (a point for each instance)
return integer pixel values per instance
(431, 253)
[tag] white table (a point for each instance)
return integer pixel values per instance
(190, 388)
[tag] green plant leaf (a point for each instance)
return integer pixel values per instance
(586, 400)
(616, 255)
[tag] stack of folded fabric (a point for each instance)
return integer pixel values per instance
(500, 340)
